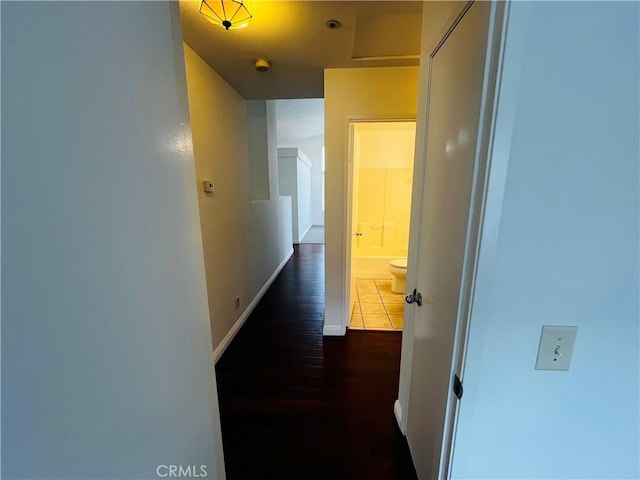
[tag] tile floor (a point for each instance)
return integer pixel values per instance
(376, 306)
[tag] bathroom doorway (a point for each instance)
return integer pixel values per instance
(380, 180)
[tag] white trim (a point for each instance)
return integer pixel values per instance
(220, 349)
(333, 330)
(397, 411)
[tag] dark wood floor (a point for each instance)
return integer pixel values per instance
(295, 405)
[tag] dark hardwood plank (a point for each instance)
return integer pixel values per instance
(295, 405)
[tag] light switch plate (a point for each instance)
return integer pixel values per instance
(556, 347)
(208, 186)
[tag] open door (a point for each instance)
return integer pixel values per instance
(461, 85)
(352, 217)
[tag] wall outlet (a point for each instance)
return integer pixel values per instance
(556, 347)
(208, 186)
(237, 302)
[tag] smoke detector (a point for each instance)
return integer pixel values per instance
(262, 64)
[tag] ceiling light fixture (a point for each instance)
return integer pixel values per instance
(262, 64)
(227, 13)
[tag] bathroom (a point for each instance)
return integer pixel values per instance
(382, 171)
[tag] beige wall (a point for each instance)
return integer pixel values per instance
(236, 264)
(437, 17)
(362, 93)
(389, 145)
(258, 149)
(221, 156)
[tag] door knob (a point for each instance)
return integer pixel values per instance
(414, 297)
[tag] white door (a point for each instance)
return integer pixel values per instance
(352, 212)
(457, 70)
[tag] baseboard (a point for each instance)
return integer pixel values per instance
(217, 353)
(333, 330)
(397, 411)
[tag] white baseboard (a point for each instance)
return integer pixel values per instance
(217, 353)
(333, 330)
(397, 411)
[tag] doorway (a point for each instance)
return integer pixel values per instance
(381, 174)
(300, 140)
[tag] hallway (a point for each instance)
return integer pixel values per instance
(314, 235)
(295, 405)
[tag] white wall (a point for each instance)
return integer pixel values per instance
(294, 180)
(107, 368)
(312, 148)
(358, 93)
(269, 244)
(301, 124)
(236, 264)
(304, 194)
(560, 246)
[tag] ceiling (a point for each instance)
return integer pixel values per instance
(293, 35)
(299, 119)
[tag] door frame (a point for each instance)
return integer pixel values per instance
(348, 202)
(488, 109)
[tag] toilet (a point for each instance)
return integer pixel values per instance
(398, 269)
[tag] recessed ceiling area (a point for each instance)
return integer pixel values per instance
(294, 36)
